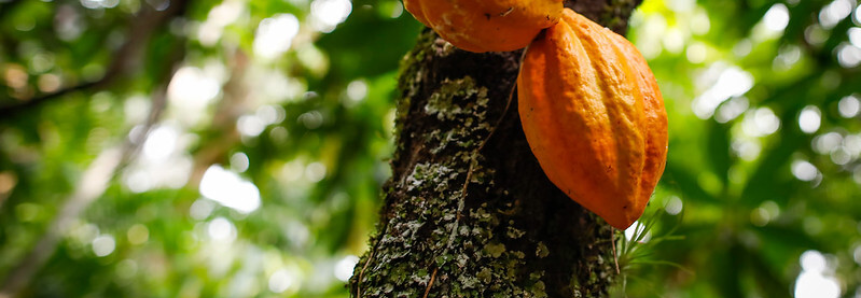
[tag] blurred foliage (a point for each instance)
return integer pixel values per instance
(764, 151)
(305, 116)
(261, 175)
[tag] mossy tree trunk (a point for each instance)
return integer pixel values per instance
(468, 211)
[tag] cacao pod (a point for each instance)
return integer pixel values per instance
(594, 117)
(486, 25)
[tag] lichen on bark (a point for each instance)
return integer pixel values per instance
(468, 211)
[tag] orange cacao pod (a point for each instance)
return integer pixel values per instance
(486, 25)
(594, 117)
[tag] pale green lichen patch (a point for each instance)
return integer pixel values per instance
(542, 251)
(495, 249)
(461, 105)
(514, 233)
(447, 103)
(538, 290)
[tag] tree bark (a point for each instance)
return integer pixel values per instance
(468, 211)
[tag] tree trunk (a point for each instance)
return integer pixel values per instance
(468, 211)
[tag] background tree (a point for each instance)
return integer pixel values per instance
(240, 148)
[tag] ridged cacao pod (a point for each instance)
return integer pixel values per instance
(486, 25)
(594, 117)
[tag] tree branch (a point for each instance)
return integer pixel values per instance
(125, 59)
(14, 108)
(8, 6)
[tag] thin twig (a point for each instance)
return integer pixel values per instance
(124, 59)
(362, 272)
(504, 111)
(430, 284)
(367, 262)
(615, 257)
(373, 250)
(473, 158)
